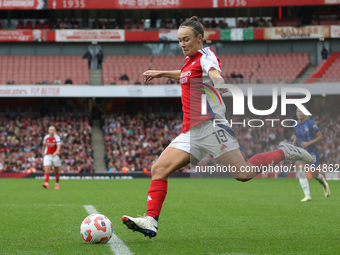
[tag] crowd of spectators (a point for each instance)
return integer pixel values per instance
(254, 140)
(134, 142)
(329, 148)
(46, 24)
(65, 24)
(232, 78)
(57, 81)
(118, 24)
(124, 80)
(255, 22)
(174, 22)
(21, 141)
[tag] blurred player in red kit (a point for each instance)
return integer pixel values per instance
(51, 148)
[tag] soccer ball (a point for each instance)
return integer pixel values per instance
(96, 228)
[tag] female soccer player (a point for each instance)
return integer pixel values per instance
(51, 148)
(307, 135)
(199, 135)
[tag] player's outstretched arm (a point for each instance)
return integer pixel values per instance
(216, 77)
(150, 74)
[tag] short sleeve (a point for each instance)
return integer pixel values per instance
(44, 140)
(57, 138)
(209, 60)
(314, 127)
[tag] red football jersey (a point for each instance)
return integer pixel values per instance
(195, 81)
(51, 144)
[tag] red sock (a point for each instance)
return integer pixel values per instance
(268, 158)
(57, 178)
(47, 177)
(156, 196)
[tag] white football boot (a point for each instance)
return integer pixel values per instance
(295, 153)
(326, 191)
(306, 198)
(142, 224)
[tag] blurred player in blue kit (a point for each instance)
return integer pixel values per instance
(307, 135)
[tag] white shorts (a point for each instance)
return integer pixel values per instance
(206, 138)
(51, 161)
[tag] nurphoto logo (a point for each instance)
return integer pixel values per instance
(238, 104)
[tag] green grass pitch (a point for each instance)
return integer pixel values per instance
(199, 216)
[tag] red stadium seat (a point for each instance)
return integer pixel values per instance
(46, 25)
(29, 24)
(331, 71)
(24, 69)
(20, 24)
(37, 25)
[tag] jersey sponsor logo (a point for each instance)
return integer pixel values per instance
(184, 77)
(193, 62)
(306, 129)
(187, 73)
(51, 144)
(184, 80)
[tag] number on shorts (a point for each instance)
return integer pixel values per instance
(314, 158)
(220, 136)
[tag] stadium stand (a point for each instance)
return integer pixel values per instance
(262, 68)
(43, 69)
(20, 24)
(21, 143)
(265, 139)
(332, 72)
(133, 143)
(208, 22)
(320, 66)
(115, 66)
(287, 22)
(255, 68)
(326, 21)
(327, 71)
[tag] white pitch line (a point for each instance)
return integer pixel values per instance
(117, 245)
(90, 209)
